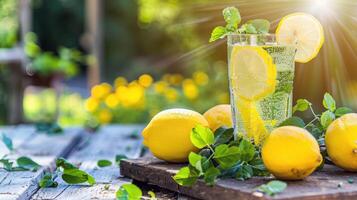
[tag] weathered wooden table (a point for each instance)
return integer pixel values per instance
(79, 147)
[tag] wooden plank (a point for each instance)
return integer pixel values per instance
(108, 142)
(321, 185)
(43, 149)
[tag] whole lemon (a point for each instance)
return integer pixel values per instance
(220, 115)
(168, 134)
(291, 153)
(341, 141)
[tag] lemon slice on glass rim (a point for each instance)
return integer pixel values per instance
(303, 31)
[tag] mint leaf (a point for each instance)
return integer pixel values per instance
(223, 135)
(7, 164)
(186, 176)
(260, 25)
(218, 33)
(129, 192)
(75, 176)
(104, 163)
(329, 103)
(272, 187)
(72, 175)
(7, 141)
(201, 136)
(327, 118)
(152, 195)
(248, 29)
(232, 17)
(27, 163)
(47, 181)
(342, 111)
(195, 161)
(245, 172)
(301, 105)
(210, 175)
(293, 121)
(119, 157)
(246, 151)
(226, 156)
(61, 162)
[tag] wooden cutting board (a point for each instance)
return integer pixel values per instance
(331, 183)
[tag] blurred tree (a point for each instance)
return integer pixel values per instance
(58, 23)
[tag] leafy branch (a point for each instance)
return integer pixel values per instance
(232, 18)
(220, 157)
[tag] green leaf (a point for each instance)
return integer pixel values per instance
(7, 164)
(186, 176)
(129, 192)
(248, 29)
(210, 175)
(47, 181)
(71, 173)
(75, 176)
(218, 33)
(272, 188)
(223, 135)
(342, 111)
(245, 172)
(61, 162)
(195, 161)
(27, 163)
(261, 25)
(7, 141)
(327, 118)
(226, 156)
(104, 163)
(119, 157)
(329, 103)
(232, 17)
(246, 150)
(293, 121)
(152, 195)
(201, 136)
(301, 105)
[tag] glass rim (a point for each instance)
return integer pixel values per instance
(251, 34)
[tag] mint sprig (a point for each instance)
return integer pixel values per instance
(72, 174)
(220, 157)
(272, 188)
(232, 18)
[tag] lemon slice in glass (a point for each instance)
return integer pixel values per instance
(304, 31)
(252, 71)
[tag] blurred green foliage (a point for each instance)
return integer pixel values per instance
(43, 106)
(47, 63)
(58, 23)
(8, 23)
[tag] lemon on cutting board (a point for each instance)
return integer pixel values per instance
(291, 153)
(218, 116)
(341, 142)
(168, 134)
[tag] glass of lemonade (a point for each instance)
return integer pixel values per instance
(261, 75)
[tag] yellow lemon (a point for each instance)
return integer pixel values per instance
(168, 134)
(220, 115)
(303, 31)
(341, 142)
(291, 153)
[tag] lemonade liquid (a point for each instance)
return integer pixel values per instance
(275, 107)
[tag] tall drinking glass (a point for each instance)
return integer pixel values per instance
(261, 75)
